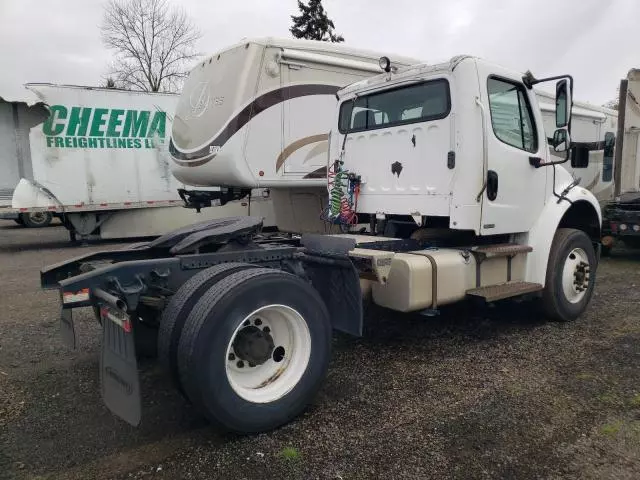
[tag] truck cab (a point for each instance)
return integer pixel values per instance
(456, 141)
(456, 154)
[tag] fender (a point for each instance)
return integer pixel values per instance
(583, 213)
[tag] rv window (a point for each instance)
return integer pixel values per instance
(607, 161)
(416, 103)
(511, 116)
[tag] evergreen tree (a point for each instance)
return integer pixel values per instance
(313, 23)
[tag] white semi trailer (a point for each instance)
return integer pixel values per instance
(244, 321)
(98, 159)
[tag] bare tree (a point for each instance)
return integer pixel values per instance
(154, 43)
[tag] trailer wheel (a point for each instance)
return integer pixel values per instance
(176, 312)
(36, 219)
(255, 350)
(570, 275)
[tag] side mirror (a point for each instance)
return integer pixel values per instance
(609, 144)
(563, 104)
(561, 140)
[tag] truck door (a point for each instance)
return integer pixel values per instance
(515, 190)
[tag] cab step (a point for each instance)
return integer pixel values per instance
(492, 293)
(501, 249)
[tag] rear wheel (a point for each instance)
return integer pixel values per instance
(255, 349)
(179, 307)
(570, 275)
(36, 219)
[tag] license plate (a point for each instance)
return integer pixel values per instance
(119, 379)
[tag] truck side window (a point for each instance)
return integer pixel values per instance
(423, 102)
(607, 160)
(511, 115)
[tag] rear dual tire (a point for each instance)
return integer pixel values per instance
(254, 349)
(182, 302)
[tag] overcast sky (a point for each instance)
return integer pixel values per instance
(58, 41)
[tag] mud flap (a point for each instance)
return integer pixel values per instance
(119, 380)
(67, 328)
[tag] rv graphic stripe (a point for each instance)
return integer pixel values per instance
(258, 105)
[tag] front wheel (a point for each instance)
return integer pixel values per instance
(570, 275)
(255, 350)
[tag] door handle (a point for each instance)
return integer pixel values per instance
(492, 185)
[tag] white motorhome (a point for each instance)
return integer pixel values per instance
(258, 114)
(243, 321)
(594, 131)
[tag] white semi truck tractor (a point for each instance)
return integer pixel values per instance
(440, 200)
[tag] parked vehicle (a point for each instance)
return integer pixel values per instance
(17, 117)
(458, 207)
(622, 213)
(98, 160)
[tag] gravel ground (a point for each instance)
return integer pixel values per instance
(485, 393)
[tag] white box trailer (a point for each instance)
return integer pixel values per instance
(622, 212)
(17, 117)
(98, 159)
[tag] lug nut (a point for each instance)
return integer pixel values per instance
(266, 329)
(246, 323)
(240, 364)
(232, 356)
(257, 321)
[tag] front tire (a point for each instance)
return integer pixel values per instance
(255, 350)
(570, 275)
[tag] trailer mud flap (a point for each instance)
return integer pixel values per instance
(67, 328)
(119, 379)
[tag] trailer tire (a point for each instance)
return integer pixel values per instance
(36, 219)
(570, 276)
(285, 364)
(176, 312)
